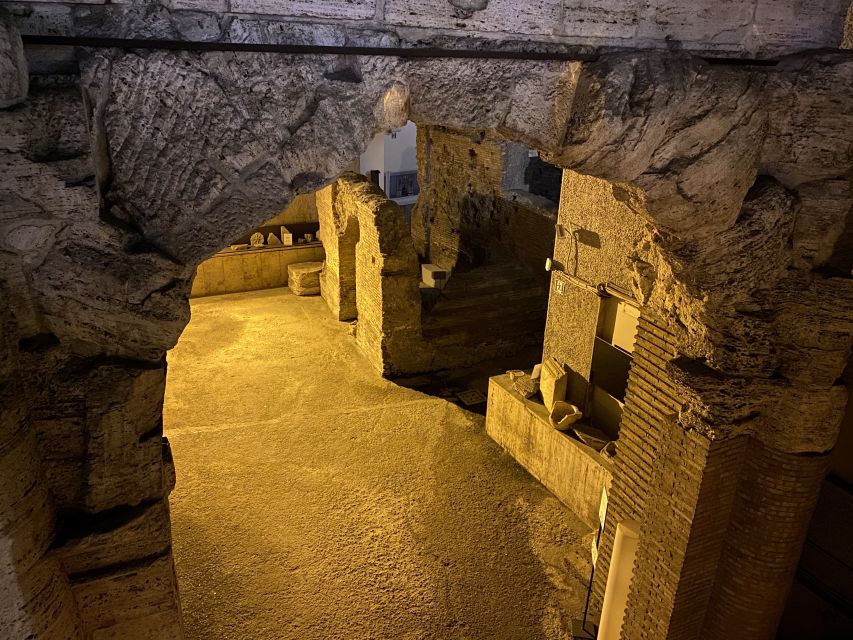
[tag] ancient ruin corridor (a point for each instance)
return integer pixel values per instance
(316, 500)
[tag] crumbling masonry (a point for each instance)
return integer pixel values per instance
(122, 169)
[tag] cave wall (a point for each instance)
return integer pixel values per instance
(118, 181)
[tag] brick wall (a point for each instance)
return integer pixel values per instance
(371, 260)
(650, 403)
(463, 215)
(775, 498)
(722, 520)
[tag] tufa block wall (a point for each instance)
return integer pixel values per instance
(745, 28)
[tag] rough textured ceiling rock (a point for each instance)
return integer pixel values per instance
(667, 123)
(736, 28)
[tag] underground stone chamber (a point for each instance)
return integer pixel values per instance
(126, 169)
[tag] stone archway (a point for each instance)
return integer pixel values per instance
(102, 233)
(374, 258)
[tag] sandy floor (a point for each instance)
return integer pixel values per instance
(317, 501)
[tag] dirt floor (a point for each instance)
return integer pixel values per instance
(317, 501)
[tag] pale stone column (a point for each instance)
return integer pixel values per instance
(619, 579)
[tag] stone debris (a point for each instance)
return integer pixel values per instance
(286, 236)
(272, 239)
(563, 415)
(523, 383)
(303, 278)
(591, 436)
(257, 240)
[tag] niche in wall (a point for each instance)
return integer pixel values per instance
(611, 361)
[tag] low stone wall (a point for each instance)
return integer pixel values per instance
(251, 269)
(571, 470)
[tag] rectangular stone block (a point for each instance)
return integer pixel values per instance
(434, 276)
(303, 278)
(348, 9)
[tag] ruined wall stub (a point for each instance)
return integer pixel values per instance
(598, 235)
(373, 258)
(100, 234)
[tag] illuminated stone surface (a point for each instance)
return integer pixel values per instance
(334, 504)
(116, 183)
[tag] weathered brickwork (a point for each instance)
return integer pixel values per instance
(722, 520)
(466, 213)
(650, 404)
(775, 498)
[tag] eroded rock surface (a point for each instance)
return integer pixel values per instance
(14, 74)
(115, 185)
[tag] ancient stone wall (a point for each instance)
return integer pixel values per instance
(339, 236)
(119, 181)
(369, 240)
(744, 28)
(466, 215)
(597, 236)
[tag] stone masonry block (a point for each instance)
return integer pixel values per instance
(14, 76)
(303, 278)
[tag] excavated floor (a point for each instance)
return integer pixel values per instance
(317, 501)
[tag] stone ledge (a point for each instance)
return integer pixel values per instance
(572, 471)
